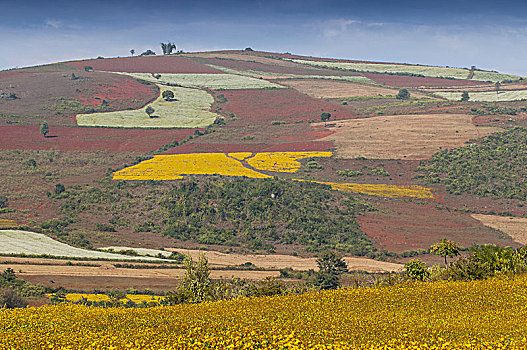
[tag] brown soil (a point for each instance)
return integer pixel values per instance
(399, 227)
(403, 136)
(320, 88)
(512, 226)
(277, 261)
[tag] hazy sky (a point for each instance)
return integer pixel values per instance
(462, 33)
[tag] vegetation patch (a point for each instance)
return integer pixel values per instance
(494, 167)
(459, 315)
(189, 109)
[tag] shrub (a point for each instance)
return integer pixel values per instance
(403, 94)
(416, 270)
(465, 96)
(9, 299)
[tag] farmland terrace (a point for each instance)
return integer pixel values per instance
(257, 157)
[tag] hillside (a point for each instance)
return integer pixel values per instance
(259, 152)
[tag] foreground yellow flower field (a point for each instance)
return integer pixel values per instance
(442, 315)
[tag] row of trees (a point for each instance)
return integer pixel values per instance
(167, 49)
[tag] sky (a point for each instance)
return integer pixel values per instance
(488, 34)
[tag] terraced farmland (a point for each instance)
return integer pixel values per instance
(487, 96)
(189, 109)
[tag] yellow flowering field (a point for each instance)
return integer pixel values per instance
(174, 167)
(286, 162)
(136, 298)
(414, 191)
(486, 314)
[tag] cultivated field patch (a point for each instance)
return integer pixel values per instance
(411, 137)
(414, 191)
(512, 226)
(428, 71)
(8, 223)
(145, 64)
(174, 167)
(28, 137)
(190, 108)
(136, 298)
(208, 81)
(409, 81)
(335, 89)
(31, 243)
(486, 96)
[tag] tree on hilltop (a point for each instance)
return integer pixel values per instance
(132, 51)
(168, 48)
(497, 86)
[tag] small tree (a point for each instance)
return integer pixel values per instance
(416, 270)
(44, 129)
(168, 48)
(446, 249)
(465, 96)
(149, 110)
(330, 265)
(403, 94)
(168, 95)
(497, 86)
(325, 117)
(196, 286)
(88, 68)
(132, 51)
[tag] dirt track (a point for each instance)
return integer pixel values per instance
(410, 137)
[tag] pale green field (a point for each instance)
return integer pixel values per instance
(31, 243)
(189, 109)
(428, 71)
(490, 96)
(209, 81)
(252, 73)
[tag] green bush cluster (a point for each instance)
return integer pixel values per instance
(494, 167)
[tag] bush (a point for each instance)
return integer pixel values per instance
(9, 299)
(416, 270)
(3, 201)
(403, 94)
(465, 96)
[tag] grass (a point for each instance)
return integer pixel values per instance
(32, 243)
(189, 109)
(427, 71)
(209, 81)
(486, 314)
(488, 96)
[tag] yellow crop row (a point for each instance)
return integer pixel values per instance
(382, 190)
(136, 298)
(174, 167)
(7, 223)
(486, 314)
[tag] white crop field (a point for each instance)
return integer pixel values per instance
(190, 108)
(209, 81)
(31, 243)
(427, 71)
(488, 96)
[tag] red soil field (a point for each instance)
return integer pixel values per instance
(28, 137)
(145, 64)
(279, 69)
(404, 81)
(285, 105)
(255, 148)
(117, 94)
(400, 227)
